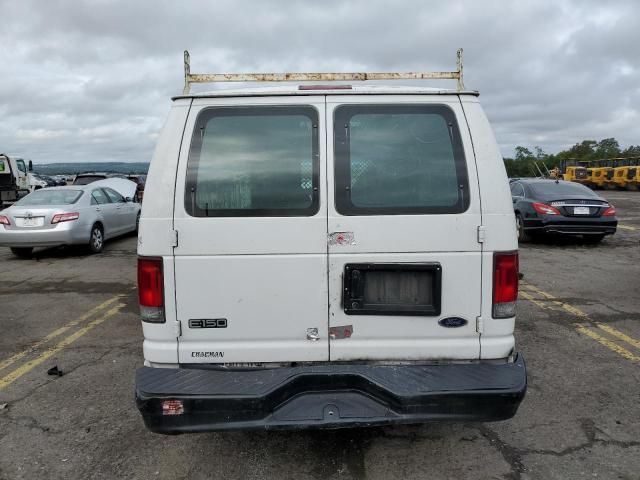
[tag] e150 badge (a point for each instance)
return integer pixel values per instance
(208, 323)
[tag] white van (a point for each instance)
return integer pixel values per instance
(327, 256)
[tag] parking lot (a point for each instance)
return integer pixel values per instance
(578, 328)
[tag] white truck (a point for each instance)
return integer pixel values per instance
(327, 256)
(14, 179)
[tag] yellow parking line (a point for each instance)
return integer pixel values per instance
(31, 364)
(585, 329)
(608, 343)
(627, 227)
(616, 333)
(11, 360)
(565, 306)
(533, 300)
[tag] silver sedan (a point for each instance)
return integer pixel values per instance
(73, 215)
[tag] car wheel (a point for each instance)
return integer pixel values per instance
(22, 252)
(96, 239)
(593, 239)
(523, 236)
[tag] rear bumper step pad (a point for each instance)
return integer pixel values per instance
(329, 396)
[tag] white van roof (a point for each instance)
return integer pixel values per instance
(323, 89)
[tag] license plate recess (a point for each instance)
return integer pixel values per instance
(581, 210)
(392, 289)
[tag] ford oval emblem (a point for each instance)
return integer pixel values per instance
(452, 322)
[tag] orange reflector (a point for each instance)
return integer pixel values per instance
(172, 407)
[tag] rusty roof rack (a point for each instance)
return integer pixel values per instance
(190, 78)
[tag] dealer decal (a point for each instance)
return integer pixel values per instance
(207, 354)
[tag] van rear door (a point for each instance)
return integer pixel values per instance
(251, 217)
(403, 218)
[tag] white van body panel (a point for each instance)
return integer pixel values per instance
(267, 276)
(448, 239)
(498, 220)
(155, 232)
(273, 278)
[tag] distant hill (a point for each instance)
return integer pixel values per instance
(73, 168)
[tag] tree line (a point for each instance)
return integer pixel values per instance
(523, 164)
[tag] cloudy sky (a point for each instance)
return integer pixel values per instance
(92, 80)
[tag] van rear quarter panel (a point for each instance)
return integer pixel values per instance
(156, 223)
(496, 340)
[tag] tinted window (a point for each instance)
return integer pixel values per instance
(560, 189)
(517, 190)
(98, 197)
(253, 161)
(114, 196)
(399, 159)
(51, 197)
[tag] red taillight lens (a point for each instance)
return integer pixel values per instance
(4, 220)
(151, 289)
(609, 212)
(65, 217)
(505, 284)
(544, 209)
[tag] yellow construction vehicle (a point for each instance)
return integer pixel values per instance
(576, 172)
(609, 181)
(633, 175)
(555, 173)
(620, 175)
(599, 173)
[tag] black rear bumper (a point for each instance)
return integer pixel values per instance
(329, 395)
(572, 225)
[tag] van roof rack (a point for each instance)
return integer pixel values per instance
(190, 78)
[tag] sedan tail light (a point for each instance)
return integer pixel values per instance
(4, 220)
(609, 212)
(65, 217)
(544, 209)
(151, 289)
(505, 284)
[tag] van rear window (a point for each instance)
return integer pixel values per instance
(399, 159)
(253, 161)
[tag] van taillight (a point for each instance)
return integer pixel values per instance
(505, 284)
(151, 289)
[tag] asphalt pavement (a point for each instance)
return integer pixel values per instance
(578, 327)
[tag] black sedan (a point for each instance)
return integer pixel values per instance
(557, 207)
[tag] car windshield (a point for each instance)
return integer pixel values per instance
(50, 197)
(561, 190)
(87, 179)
